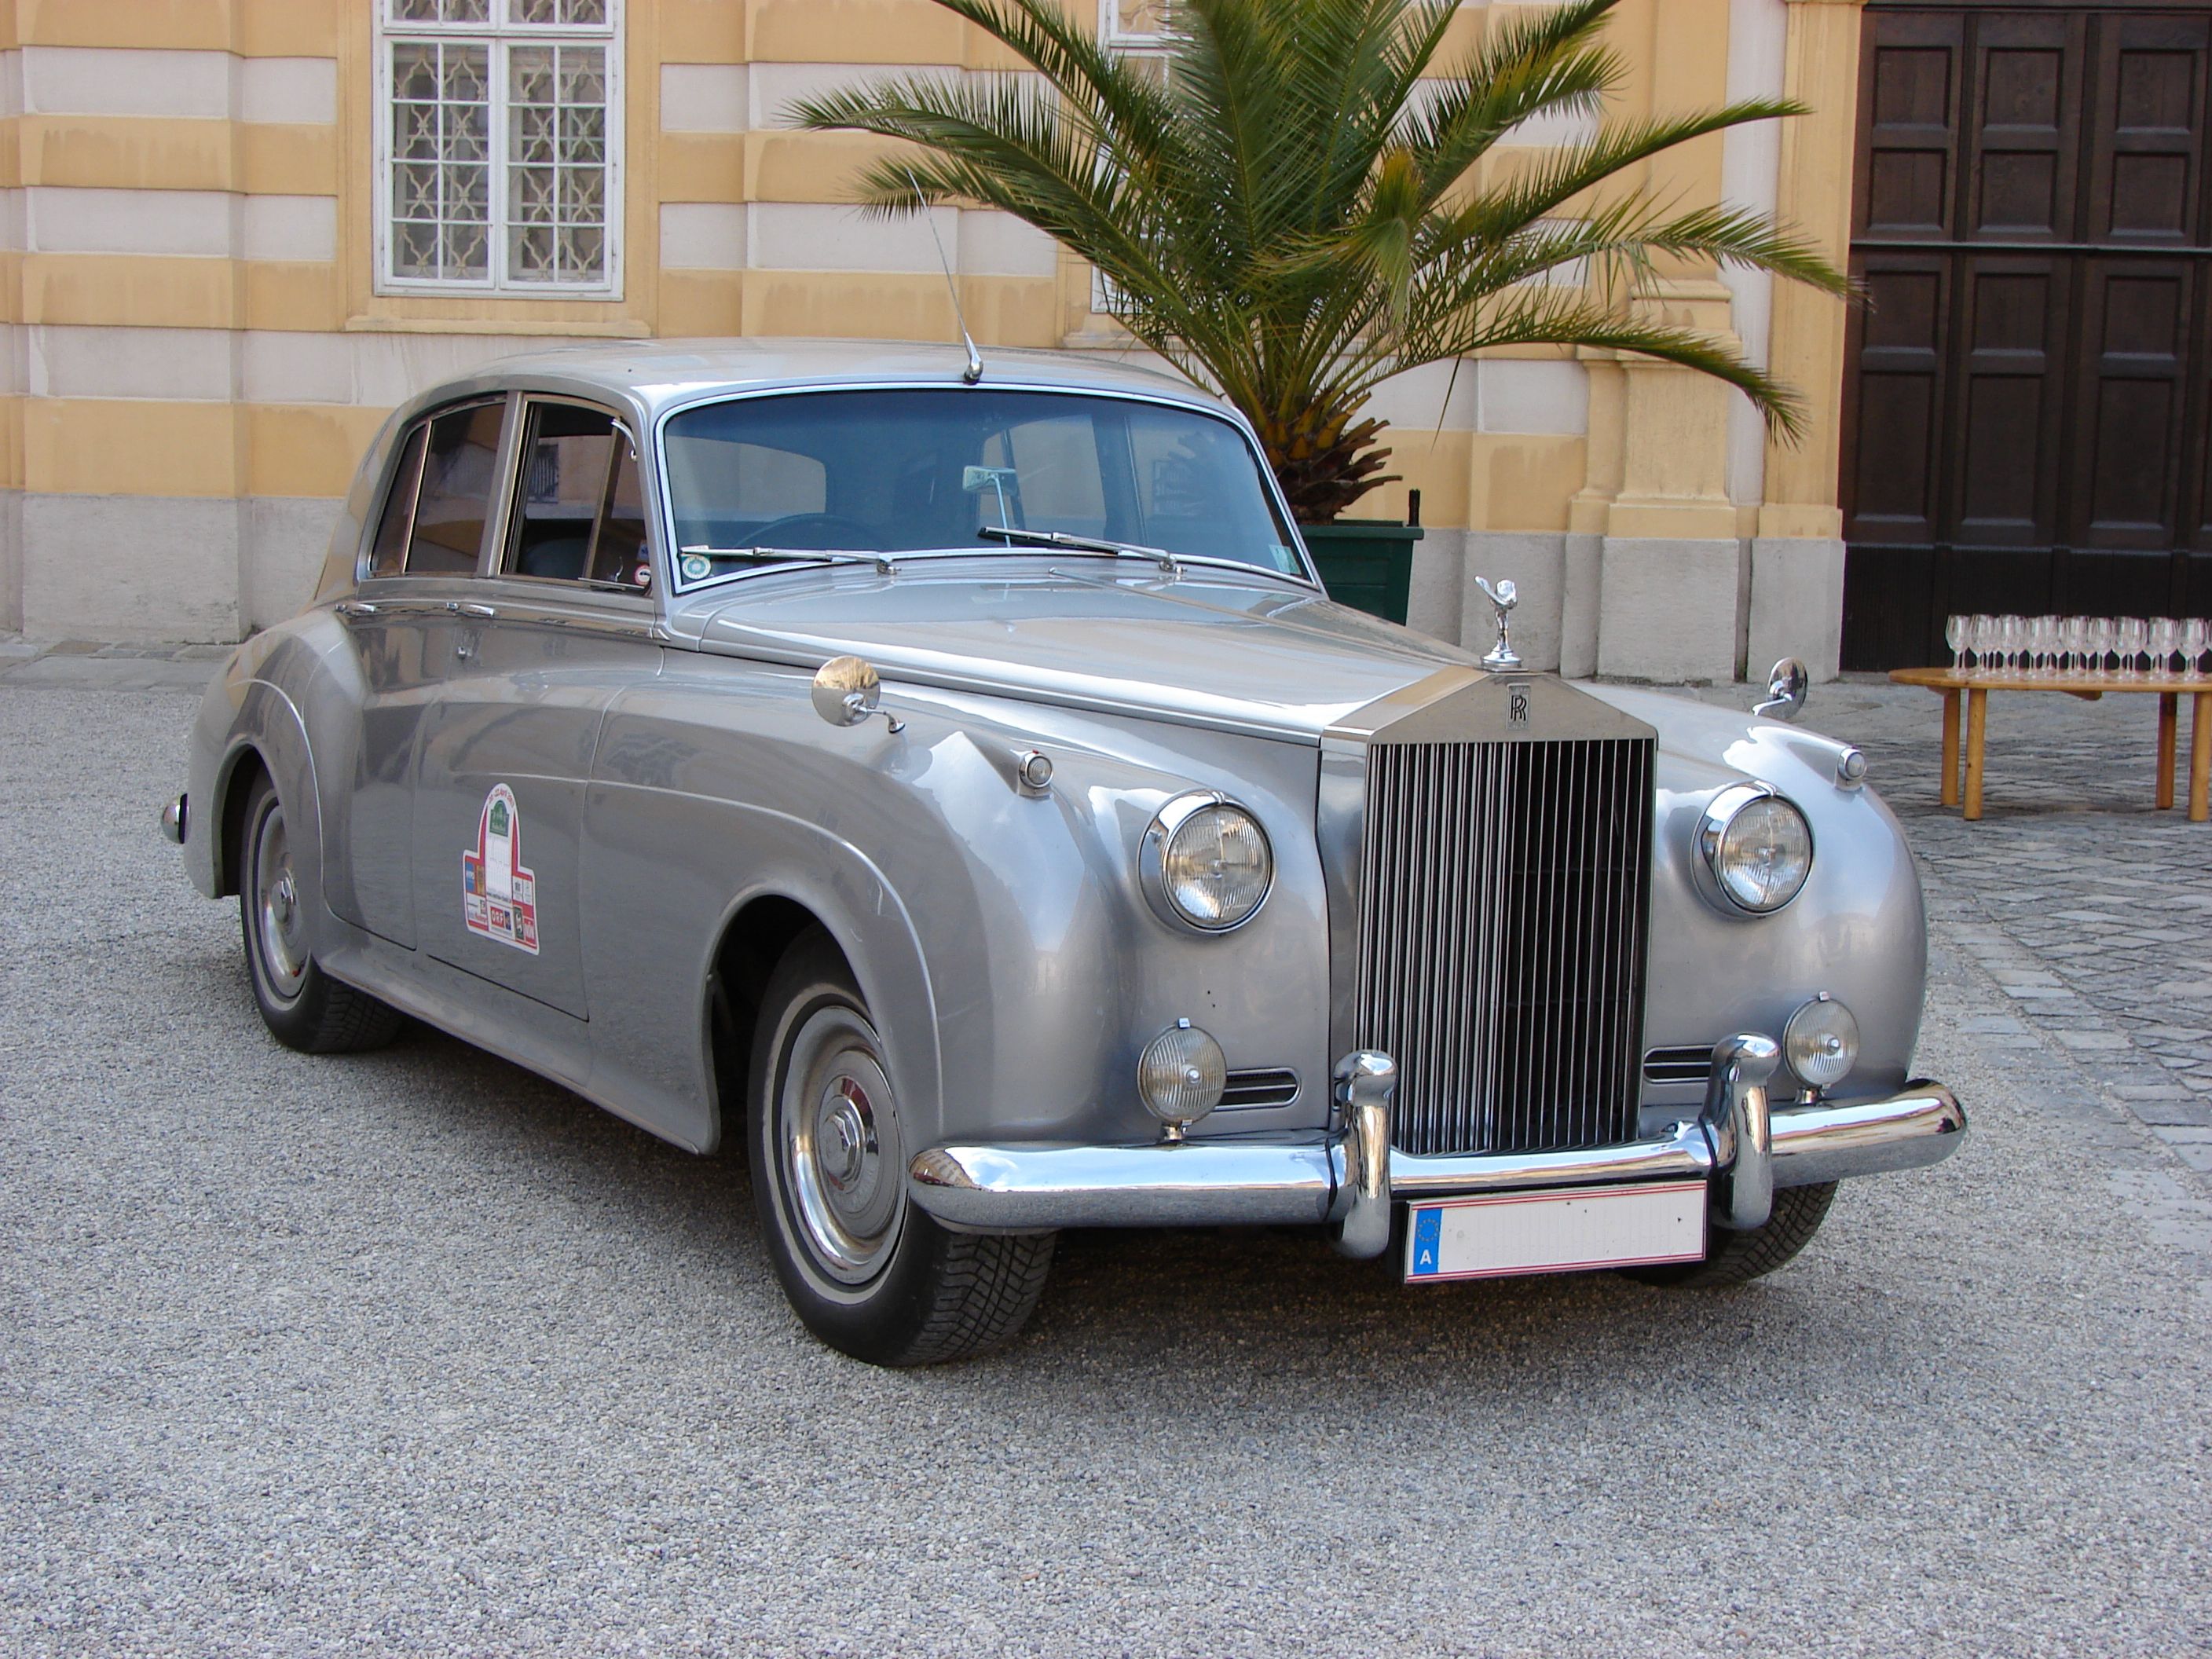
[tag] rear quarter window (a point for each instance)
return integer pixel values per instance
(459, 462)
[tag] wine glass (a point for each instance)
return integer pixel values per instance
(1954, 635)
(2014, 632)
(2131, 633)
(2047, 640)
(2074, 636)
(2164, 640)
(2102, 642)
(2193, 633)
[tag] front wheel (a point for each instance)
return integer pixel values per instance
(867, 1271)
(1737, 1258)
(303, 1007)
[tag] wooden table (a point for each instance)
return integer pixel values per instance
(1971, 688)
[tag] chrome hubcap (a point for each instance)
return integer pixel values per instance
(840, 1146)
(283, 928)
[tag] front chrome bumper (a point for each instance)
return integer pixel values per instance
(1351, 1179)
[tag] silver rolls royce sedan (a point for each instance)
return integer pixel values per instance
(956, 789)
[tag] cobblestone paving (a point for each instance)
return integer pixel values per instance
(2091, 909)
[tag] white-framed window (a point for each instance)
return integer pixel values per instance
(1136, 31)
(499, 147)
(1135, 28)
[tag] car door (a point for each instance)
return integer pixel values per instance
(429, 535)
(541, 645)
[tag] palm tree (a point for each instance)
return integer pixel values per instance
(1291, 214)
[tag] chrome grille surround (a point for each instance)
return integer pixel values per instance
(1489, 920)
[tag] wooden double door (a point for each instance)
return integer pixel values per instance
(2027, 396)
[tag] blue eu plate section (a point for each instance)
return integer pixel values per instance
(1423, 1260)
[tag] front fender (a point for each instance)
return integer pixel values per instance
(1010, 962)
(1857, 930)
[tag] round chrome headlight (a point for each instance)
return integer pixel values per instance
(1181, 1074)
(1206, 863)
(1756, 846)
(1821, 1043)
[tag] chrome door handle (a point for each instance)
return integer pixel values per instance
(355, 608)
(471, 609)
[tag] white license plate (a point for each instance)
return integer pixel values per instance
(1555, 1232)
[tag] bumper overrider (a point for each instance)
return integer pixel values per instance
(1351, 1178)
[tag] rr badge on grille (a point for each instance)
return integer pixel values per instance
(1516, 705)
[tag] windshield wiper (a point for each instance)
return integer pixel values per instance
(794, 556)
(1158, 556)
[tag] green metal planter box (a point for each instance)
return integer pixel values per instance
(1367, 563)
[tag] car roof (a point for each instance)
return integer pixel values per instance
(654, 375)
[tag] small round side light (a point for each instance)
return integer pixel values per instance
(1181, 1075)
(1821, 1043)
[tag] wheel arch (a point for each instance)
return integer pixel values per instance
(233, 787)
(754, 938)
(267, 739)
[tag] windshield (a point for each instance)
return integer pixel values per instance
(930, 468)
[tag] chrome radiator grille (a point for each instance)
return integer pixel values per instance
(1504, 907)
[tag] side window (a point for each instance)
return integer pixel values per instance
(458, 464)
(619, 554)
(580, 513)
(389, 554)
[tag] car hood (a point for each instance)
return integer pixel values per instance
(1216, 647)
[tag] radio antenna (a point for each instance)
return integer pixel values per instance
(974, 372)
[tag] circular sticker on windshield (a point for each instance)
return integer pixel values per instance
(697, 567)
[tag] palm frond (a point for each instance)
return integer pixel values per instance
(1297, 210)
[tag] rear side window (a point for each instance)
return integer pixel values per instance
(389, 554)
(579, 515)
(455, 497)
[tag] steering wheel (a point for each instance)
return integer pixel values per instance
(840, 533)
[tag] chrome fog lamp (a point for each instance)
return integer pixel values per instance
(1821, 1043)
(1179, 1076)
(1206, 863)
(1756, 847)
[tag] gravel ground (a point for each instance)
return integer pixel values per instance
(413, 1351)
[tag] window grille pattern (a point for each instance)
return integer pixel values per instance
(440, 156)
(501, 171)
(556, 155)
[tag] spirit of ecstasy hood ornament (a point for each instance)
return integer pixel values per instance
(1501, 659)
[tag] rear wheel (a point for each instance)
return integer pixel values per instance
(303, 1006)
(867, 1271)
(1736, 1258)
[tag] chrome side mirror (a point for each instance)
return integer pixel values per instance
(847, 690)
(1786, 686)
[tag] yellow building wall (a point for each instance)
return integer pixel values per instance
(240, 351)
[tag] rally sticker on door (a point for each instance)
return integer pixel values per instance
(499, 896)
